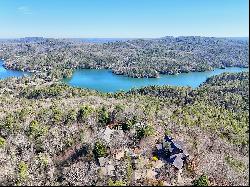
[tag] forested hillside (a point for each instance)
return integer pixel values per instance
(53, 134)
(134, 58)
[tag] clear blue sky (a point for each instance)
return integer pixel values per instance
(123, 18)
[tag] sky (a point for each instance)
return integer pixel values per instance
(123, 18)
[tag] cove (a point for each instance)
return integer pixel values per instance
(5, 73)
(105, 81)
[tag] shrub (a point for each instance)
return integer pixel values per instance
(127, 125)
(22, 170)
(116, 183)
(201, 181)
(236, 164)
(69, 142)
(43, 159)
(36, 130)
(23, 113)
(2, 142)
(104, 117)
(39, 147)
(72, 116)
(117, 112)
(145, 131)
(10, 121)
(149, 130)
(130, 123)
(57, 116)
(119, 108)
(167, 132)
(100, 150)
(84, 112)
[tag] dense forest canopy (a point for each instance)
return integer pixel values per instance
(134, 58)
(54, 134)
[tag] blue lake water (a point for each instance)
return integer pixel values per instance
(106, 81)
(5, 73)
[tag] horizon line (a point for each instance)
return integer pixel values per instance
(122, 37)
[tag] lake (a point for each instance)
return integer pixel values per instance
(105, 81)
(5, 73)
